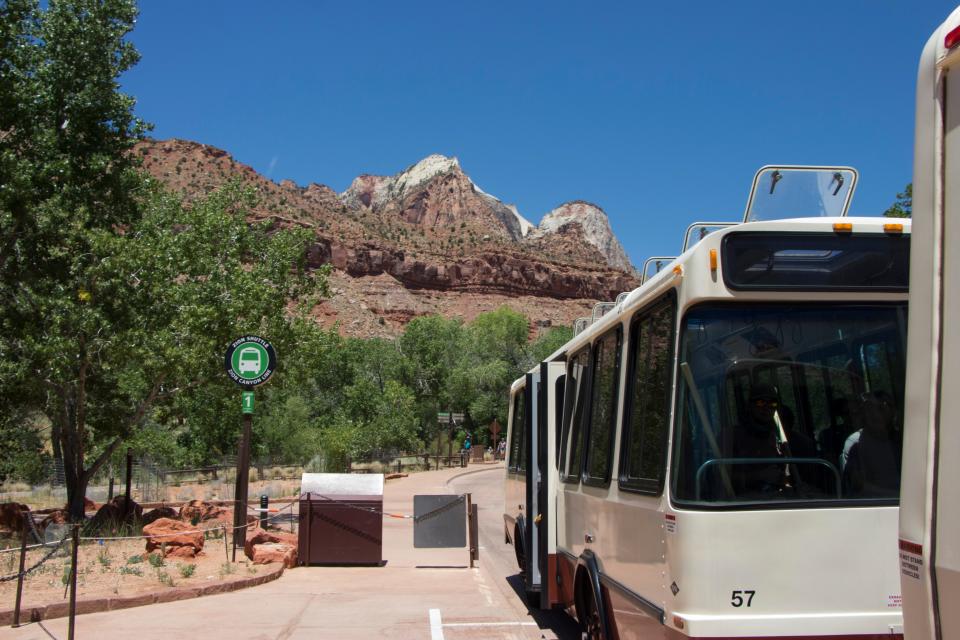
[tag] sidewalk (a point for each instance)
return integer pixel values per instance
(394, 601)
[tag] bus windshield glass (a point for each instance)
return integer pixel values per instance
(789, 404)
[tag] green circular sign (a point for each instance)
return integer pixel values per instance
(250, 361)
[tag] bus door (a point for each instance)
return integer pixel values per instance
(546, 401)
(533, 541)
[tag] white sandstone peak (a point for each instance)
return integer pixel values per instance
(596, 229)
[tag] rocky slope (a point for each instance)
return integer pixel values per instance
(426, 240)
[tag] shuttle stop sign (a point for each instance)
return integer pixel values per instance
(250, 361)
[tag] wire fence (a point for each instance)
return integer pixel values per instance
(152, 482)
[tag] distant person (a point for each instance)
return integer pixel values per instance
(873, 453)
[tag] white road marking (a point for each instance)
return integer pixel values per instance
(489, 624)
(436, 626)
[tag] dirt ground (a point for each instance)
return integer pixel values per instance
(120, 568)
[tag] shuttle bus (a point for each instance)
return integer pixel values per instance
(930, 511)
(718, 455)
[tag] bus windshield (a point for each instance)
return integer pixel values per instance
(789, 404)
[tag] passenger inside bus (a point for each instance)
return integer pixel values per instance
(844, 420)
(872, 454)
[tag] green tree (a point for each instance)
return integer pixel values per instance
(115, 297)
(157, 302)
(903, 207)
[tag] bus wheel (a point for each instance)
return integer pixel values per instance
(591, 626)
(518, 550)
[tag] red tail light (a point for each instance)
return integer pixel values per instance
(952, 39)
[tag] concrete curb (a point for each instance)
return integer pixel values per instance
(471, 472)
(36, 613)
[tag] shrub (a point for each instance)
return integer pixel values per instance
(135, 559)
(131, 571)
(165, 578)
(186, 570)
(156, 560)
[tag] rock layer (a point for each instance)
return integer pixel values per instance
(444, 245)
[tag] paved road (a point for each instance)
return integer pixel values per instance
(420, 593)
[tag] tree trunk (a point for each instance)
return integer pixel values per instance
(71, 447)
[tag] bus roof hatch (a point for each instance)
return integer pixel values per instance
(785, 191)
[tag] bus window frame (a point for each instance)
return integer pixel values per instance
(586, 478)
(647, 486)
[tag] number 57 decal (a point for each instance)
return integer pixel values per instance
(737, 597)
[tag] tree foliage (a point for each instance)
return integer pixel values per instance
(903, 206)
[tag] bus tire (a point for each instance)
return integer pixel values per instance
(588, 601)
(518, 548)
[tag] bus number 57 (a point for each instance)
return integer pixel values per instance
(737, 598)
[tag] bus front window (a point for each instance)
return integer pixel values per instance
(785, 403)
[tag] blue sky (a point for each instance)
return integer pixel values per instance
(658, 112)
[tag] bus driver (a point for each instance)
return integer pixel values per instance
(758, 437)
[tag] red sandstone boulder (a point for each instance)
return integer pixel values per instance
(200, 511)
(270, 552)
(174, 538)
(264, 547)
(160, 512)
(12, 516)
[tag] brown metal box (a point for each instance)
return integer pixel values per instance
(337, 527)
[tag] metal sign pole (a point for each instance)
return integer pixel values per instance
(243, 475)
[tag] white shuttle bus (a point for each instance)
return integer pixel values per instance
(718, 455)
(930, 511)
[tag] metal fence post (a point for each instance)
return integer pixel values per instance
(264, 506)
(470, 542)
(474, 537)
(73, 582)
(20, 576)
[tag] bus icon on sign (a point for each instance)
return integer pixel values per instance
(249, 360)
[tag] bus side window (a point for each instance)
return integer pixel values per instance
(558, 412)
(516, 432)
(575, 399)
(604, 385)
(647, 410)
